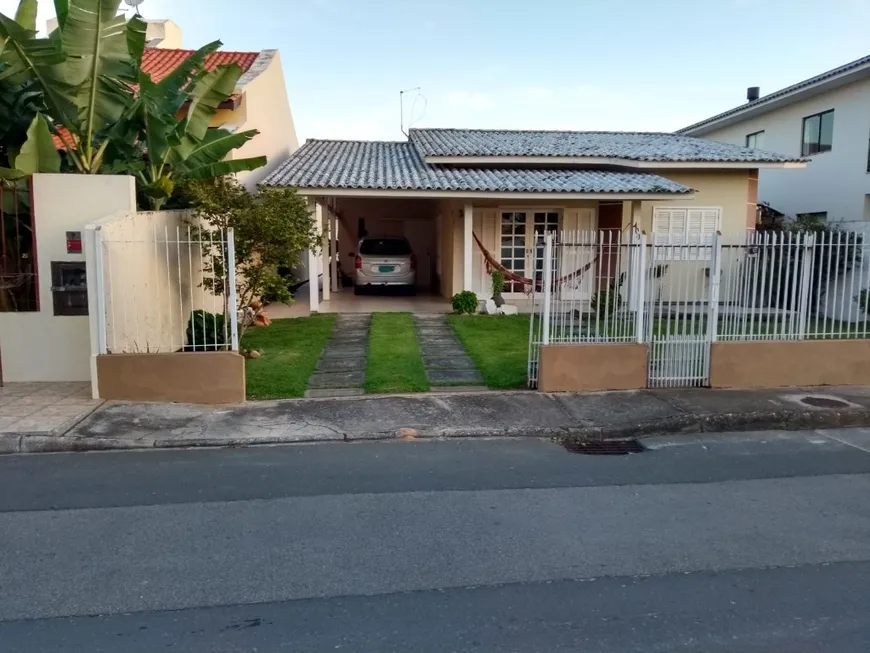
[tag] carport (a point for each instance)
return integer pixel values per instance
(343, 221)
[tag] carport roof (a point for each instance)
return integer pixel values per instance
(399, 166)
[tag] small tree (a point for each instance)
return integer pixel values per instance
(271, 229)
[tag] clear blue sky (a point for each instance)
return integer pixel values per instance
(549, 64)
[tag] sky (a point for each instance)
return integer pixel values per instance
(636, 65)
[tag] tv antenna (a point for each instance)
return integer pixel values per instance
(135, 5)
(402, 107)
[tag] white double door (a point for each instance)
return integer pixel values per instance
(521, 250)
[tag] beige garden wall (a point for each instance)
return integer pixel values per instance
(153, 274)
(39, 346)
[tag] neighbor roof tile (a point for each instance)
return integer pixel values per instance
(631, 146)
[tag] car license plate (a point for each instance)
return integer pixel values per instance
(386, 268)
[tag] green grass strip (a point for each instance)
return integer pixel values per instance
(290, 351)
(394, 361)
(498, 345)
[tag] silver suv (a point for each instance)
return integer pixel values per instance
(384, 262)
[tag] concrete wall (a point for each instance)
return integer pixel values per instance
(196, 378)
(789, 363)
(587, 368)
(835, 181)
(267, 109)
(40, 346)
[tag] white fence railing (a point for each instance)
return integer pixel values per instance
(607, 287)
(165, 286)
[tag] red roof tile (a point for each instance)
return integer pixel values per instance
(159, 62)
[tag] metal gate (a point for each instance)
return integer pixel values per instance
(681, 310)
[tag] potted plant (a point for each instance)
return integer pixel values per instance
(498, 283)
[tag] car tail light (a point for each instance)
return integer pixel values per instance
(357, 262)
(413, 262)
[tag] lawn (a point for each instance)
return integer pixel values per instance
(290, 351)
(498, 345)
(394, 361)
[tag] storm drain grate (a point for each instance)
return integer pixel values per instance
(824, 402)
(605, 447)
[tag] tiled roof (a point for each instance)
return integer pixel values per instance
(631, 146)
(159, 62)
(374, 165)
(760, 102)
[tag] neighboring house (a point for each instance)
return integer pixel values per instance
(260, 101)
(445, 189)
(825, 118)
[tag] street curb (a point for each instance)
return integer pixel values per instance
(780, 420)
(786, 420)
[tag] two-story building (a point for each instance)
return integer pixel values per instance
(825, 118)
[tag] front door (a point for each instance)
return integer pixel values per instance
(519, 230)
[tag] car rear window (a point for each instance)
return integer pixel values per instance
(384, 247)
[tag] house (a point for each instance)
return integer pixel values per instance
(260, 101)
(825, 118)
(468, 198)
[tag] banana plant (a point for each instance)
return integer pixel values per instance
(184, 149)
(85, 70)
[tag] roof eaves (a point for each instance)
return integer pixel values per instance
(818, 80)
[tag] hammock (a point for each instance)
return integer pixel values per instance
(493, 264)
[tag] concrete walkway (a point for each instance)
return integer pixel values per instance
(341, 369)
(485, 414)
(444, 357)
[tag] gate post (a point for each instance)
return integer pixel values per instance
(807, 268)
(715, 280)
(547, 285)
(640, 294)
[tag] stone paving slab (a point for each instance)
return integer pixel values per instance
(465, 377)
(437, 341)
(341, 364)
(329, 393)
(449, 363)
(442, 351)
(344, 351)
(347, 379)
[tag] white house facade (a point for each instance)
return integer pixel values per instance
(826, 119)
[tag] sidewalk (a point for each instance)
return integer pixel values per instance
(445, 415)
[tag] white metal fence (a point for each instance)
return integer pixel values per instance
(607, 287)
(165, 286)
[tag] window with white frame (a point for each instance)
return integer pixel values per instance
(684, 234)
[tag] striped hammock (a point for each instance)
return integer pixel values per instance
(493, 263)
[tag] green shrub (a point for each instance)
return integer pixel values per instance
(205, 332)
(465, 302)
(863, 299)
(608, 300)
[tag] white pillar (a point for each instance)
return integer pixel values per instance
(636, 214)
(335, 249)
(323, 221)
(313, 290)
(467, 246)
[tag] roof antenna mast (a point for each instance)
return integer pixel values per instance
(135, 5)
(401, 106)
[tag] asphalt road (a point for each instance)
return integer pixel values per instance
(744, 543)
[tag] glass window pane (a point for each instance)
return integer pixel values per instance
(811, 135)
(826, 135)
(520, 218)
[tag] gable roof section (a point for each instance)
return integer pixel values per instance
(399, 166)
(839, 75)
(618, 147)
